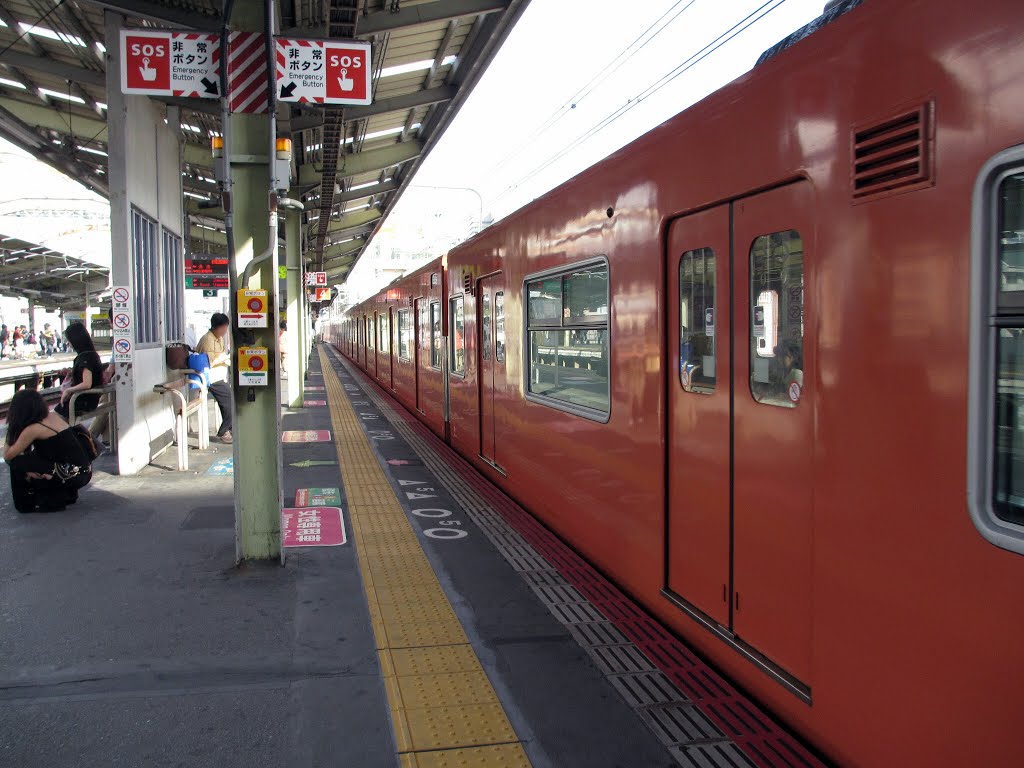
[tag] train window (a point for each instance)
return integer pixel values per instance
(567, 322)
(457, 348)
(370, 334)
(404, 334)
(436, 338)
(499, 326)
(777, 319)
(697, 321)
(485, 327)
(385, 334)
(995, 448)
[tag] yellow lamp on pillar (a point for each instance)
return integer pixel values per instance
(217, 147)
(284, 148)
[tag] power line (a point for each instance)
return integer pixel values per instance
(727, 36)
(607, 71)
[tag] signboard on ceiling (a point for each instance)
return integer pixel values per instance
(158, 62)
(323, 71)
(316, 278)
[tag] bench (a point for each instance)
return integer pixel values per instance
(186, 406)
(109, 408)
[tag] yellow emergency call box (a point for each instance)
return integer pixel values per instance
(253, 366)
(253, 308)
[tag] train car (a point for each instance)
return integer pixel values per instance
(762, 366)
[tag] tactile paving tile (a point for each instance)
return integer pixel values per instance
(446, 727)
(495, 756)
(441, 699)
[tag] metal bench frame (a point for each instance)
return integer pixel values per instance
(185, 408)
(109, 408)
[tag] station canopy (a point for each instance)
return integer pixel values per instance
(50, 278)
(351, 164)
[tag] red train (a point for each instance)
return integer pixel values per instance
(762, 367)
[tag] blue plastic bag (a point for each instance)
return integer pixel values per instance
(199, 362)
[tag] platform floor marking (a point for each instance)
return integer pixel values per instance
(444, 710)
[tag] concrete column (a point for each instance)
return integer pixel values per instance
(257, 412)
(293, 250)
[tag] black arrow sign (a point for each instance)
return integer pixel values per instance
(287, 90)
(210, 86)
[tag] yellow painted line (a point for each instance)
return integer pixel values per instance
(443, 708)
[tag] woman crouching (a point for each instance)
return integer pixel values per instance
(47, 462)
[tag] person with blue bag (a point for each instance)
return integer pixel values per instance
(211, 346)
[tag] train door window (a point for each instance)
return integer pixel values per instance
(457, 342)
(697, 321)
(485, 326)
(777, 318)
(436, 338)
(385, 334)
(404, 334)
(499, 326)
(996, 436)
(567, 323)
(370, 337)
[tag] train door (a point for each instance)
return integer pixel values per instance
(389, 350)
(741, 422)
(371, 333)
(421, 331)
(491, 343)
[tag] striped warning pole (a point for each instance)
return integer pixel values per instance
(248, 91)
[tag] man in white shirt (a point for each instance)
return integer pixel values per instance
(212, 345)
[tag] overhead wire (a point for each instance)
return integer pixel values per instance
(607, 71)
(738, 28)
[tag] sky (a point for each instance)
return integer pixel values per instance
(575, 81)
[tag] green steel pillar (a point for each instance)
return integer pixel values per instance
(293, 350)
(257, 445)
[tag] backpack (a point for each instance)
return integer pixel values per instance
(87, 441)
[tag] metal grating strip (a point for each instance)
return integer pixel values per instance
(722, 754)
(680, 724)
(619, 659)
(645, 688)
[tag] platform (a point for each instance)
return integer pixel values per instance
(451, 629)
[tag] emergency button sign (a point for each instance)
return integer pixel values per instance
(147, 62)
(323, 72)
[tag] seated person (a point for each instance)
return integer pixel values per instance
(47, 462)
(86, 373)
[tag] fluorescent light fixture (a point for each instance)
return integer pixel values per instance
(368, 184)
(93, 151)
(52, 34)
(192, 128)
(101, 48)
(59, 95)
(101, 105)
(414, 66)
(357, 207)
(11, 83)
(380, 134)
(194, 196)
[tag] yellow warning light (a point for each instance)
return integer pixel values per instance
(217, 146)
(284, 148)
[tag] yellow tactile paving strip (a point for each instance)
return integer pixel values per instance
(444, 710)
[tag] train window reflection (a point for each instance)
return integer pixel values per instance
(436, 339)
(1008, 503)
(457, 348)
(385, 334)
(485, 327)
(499, 326)
(1011, 237)
(404, 334)
(567, 322)
(697, 321)
(369, 333)
(777, 319)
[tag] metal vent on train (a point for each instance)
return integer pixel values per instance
(894, 154)
(467, 284)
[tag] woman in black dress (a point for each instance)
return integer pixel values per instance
(47, 462)
(86, 372)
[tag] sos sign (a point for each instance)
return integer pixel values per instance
(348, 73)
(145, 62)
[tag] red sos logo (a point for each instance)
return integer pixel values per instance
(348, 73)
(147, 62)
